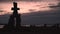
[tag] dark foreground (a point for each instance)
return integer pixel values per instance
(31, 30)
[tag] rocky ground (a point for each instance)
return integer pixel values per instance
(31, 30)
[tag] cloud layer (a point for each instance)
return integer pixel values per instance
(30, 0)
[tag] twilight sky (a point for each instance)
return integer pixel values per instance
(39, 12)
(29, 0)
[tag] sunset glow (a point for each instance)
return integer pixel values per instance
(26, 7)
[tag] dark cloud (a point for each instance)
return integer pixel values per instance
(31, 10)
(56, 6)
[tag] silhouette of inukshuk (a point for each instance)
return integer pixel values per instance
(14, 18)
